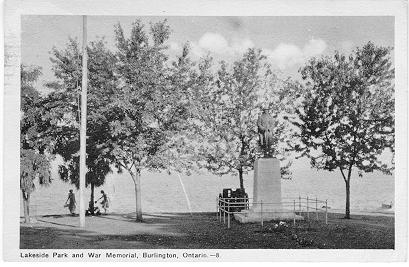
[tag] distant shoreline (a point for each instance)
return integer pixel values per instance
(330, 211)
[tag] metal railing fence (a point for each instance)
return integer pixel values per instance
(307, 207)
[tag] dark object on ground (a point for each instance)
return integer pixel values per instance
(96, 212)
(386, 206)
(238, 198)
(92, 210)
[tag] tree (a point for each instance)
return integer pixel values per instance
(35, 140)
(346, 120)
(147, 113)
(228, 106)
(65, 103)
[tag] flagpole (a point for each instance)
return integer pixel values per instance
(83, 130)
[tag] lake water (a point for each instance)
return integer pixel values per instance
(164, 193)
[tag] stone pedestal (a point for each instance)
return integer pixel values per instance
(267, 184)
(266, 194)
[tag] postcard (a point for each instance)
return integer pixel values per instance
(205, 130)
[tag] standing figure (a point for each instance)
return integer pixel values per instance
(265, 126)
(71, 202)
(104, 202)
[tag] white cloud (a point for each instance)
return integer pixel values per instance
(217, 44)
(213, 42)
(288, 55)
(283, 56)
(314, 47)
(197, 50)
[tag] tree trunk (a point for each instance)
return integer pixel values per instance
(242, 149)
(241, 178)
(26, 206)
(92, 206)
(137, 182)
(347, 202)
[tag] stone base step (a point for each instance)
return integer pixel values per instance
(250, 216)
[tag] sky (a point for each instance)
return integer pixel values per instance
(287, 42)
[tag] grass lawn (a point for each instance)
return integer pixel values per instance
(203, 230)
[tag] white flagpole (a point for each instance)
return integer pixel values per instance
(83, 131)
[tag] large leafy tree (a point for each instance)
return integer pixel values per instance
(147, 113)
(35, 138)
(65, 104)
(346, 119)
(228, 106)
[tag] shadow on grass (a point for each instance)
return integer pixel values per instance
(59, 224)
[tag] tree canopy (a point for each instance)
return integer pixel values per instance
(346, 119)
(148, 110)
(64, 102)
(228, 105)
(35, 138)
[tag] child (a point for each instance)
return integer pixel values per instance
(104, 202)
(92, 210)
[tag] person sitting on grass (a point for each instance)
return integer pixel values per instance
(92, 210)
(104, 202)
(72, 203)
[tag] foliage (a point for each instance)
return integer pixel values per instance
(34, 133)
(147, 112)
(35, 138)
(347, 116)
(65, 104)
(228, 106)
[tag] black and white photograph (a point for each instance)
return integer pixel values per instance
(163, 137)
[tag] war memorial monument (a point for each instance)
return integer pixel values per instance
(267, 199)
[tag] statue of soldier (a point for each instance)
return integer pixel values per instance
(265, 125)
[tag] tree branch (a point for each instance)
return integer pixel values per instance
(343, 175)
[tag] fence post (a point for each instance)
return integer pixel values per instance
(228, 220)
(299, 205)
(247, 200)
(326, 211)
(294, 212)
(224, 212)
(308, 211)
(228, 215)
(217, 208)
(316, 207)
(261, 208)
(220, 215)
(220, 211)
